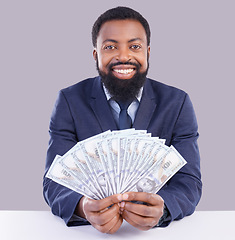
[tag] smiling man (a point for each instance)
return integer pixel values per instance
(121, 40)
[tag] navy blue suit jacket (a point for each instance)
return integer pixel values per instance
(82, 111)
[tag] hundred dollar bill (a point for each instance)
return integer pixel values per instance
(112, 154)
(161, 171)
(76, 168)
(150, 152)
(126, 157)
(112, 142)
(87, 169)
(129, 158)
(147, 160)
(131, 153)
(91, 154)
(108, 175)
(60, 175)
(81, 168)
(120, 163)
(124, 153)
(141, 149)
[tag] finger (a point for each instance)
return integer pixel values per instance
(143, 210)
(106, 228)
(140, 220)
(116, 226)
(98, 205)
(129, 218)
(150, 198)
(103, 217)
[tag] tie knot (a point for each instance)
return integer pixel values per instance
(124, 104)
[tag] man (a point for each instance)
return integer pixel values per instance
(121, 39)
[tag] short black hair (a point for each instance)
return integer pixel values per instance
(119, 13)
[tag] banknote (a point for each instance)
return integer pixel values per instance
(152, 179)
(116, 162)
(150, 154)
(141, 150)
(75, 164)
(136, 150)
(59, 174)
(90, 152)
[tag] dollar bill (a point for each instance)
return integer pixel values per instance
(159, 173)
(142, 148)
(60, 175)
(90, 152)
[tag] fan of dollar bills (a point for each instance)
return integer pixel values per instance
(116, 162)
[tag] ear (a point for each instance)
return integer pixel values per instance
(95, 54)
(148, 51)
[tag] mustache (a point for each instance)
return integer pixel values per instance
(124, 63)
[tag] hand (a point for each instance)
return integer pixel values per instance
(104, 218)
(142, 216)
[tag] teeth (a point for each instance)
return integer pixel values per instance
(124, 71)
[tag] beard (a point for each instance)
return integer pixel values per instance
(123, 89)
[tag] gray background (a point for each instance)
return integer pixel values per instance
(45, 45)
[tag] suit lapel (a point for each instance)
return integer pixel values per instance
(146, 108)
(101, 107)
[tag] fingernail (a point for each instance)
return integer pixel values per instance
(119, 197)
(125, 196)
(122, 204)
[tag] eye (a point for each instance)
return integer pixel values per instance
(135, 46)
(109, 47)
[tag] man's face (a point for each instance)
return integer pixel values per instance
(122, 56)
(122, 41)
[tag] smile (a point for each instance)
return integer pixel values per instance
(123, 71)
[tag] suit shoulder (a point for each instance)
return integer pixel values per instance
(80, 86)
(160, 88)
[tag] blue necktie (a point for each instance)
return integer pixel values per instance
(125, 121)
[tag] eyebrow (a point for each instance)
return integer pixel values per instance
(115, 41)
(110, 40)
(135, 39)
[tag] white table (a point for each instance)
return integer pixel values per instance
(42, 225)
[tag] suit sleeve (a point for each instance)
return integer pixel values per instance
(62, 137)
(183, 191)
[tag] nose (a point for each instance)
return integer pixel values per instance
(123, 54)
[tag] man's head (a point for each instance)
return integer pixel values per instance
(121, 38)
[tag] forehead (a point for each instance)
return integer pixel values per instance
(122, 30)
